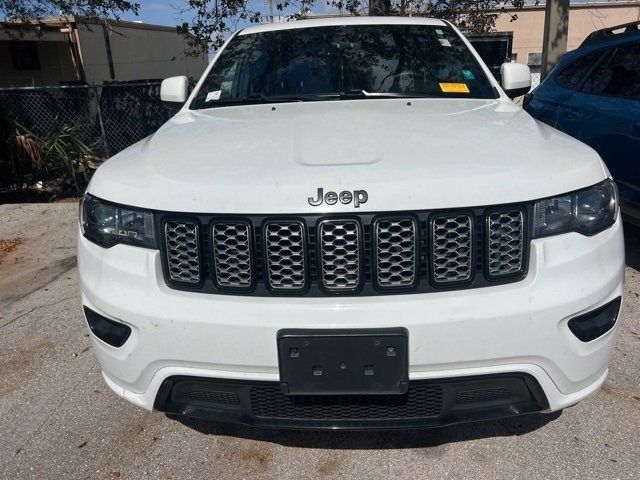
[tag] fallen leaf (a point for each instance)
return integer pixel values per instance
(636, 397)
(83, 444)
(117, 474)
(6, 245)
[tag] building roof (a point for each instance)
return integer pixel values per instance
(59, 21)
(573, 5)
(345, 20)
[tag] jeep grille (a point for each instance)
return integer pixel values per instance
(363, 254)
(285, 255)
(181, 241)
(396, 244)
(505, 241)
(452, 245)
(340, 254)
(233, 266)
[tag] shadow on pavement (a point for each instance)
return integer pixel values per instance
(632, 245)
(375, 440)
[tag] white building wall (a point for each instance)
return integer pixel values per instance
(139, 52)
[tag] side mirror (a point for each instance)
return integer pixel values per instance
(516, 79)
(174, 89)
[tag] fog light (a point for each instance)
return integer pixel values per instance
(113, 333)
(592, 325)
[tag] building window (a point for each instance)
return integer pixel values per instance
(514, 57)
(24, 55)
(534, 59)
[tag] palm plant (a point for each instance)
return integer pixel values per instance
(22, 156)
(67, 154)
(26, 157)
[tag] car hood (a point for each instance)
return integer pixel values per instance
(407, 155)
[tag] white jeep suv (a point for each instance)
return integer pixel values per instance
(349, 224)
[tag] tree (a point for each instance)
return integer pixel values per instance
(37, 10)
(214, 20)
(379, 7)
(473, 16)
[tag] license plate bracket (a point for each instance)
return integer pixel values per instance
(343, 361)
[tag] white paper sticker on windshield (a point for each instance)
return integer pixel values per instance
(439, 32)
(444, 42)
(213, 95)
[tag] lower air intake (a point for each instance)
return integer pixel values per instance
(421, 401)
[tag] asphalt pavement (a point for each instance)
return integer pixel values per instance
(59, 420)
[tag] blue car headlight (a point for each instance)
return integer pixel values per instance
(588, 211)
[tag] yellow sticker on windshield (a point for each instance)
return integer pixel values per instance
(454, 87)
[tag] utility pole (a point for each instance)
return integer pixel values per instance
(556, 26)
(270, 11)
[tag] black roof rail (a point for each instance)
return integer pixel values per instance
(609, 32)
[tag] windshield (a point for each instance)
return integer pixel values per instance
(337, 62)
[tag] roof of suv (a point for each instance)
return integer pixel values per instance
(333, 21)
(611, 36)
(599, 40)
(608, 34)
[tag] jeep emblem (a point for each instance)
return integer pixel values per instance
(358, 197)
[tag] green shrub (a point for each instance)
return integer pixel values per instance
(66, 155)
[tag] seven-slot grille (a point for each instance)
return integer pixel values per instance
(365, 254)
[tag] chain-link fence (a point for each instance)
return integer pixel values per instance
(109, 117)
(535, 77)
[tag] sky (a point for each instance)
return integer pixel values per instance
(157, 12)
(168, 13)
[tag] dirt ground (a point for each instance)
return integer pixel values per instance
(59, 420)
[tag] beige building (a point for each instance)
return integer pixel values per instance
(62, 50)
(584, 18)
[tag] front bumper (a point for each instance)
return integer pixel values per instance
(428, 403)
(515, 328)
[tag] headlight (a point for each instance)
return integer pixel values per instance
(107, 224)
(587, 211)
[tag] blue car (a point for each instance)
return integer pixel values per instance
(594, 96)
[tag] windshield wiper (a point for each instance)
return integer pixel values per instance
(294, 97)
(258, 98)
(358, 93)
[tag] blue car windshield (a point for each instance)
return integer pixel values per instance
(344, 62)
